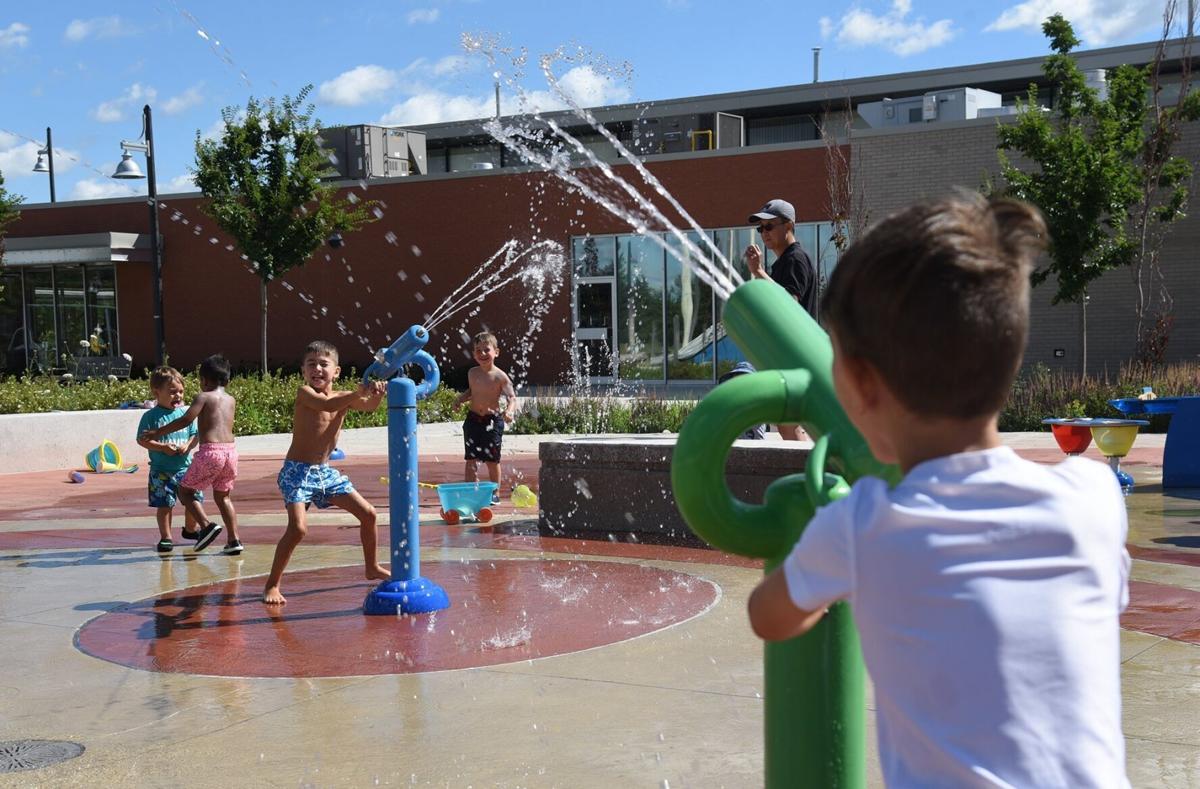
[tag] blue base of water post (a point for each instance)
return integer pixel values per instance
(418, 596)
(1125, 480)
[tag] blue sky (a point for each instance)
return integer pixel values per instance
(86, 68)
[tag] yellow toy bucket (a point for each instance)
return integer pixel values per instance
(106, 459)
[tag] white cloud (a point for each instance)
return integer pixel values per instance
(180, 183)
(1097, 22)
(15, 35)
(584, 84)
(99, 27)
(452, 64)
(423, 16)
(97, 188)
(184, 101)
(437, 107)
(114, 110)
(359, 85)
(590, 88)
(891, 30)
(18, 156)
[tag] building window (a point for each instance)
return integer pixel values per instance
(68, 312)
(662, 304)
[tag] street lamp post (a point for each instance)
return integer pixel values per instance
(129, 169)
(47, 165)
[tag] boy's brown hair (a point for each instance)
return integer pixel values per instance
(320, 347)
(163, 376)
(486, 338)
(936, 298)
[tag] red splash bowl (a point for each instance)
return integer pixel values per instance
(1072, 439)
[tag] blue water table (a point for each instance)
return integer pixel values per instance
(1181, 456)
(407, 592)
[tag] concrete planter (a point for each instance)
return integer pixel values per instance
(61, 439)
(611, 488)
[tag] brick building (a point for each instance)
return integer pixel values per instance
(627, 311)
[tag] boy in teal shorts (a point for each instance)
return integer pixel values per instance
(170, 455)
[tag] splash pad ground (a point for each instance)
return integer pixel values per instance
(561, 662)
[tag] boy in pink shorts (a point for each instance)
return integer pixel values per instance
(215, 462)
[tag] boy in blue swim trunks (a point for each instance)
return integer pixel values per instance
(170, 456)
(306, 478)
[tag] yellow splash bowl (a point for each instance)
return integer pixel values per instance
(1114, 440)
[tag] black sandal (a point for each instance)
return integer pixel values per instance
(164, 546)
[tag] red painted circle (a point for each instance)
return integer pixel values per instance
(500, 612)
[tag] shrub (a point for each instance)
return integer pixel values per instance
(265, 404)
(541, 416)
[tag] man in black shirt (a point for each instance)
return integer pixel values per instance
(793, 268)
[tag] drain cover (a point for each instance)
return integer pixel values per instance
(18, 755)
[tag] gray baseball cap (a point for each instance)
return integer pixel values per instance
(776, 209)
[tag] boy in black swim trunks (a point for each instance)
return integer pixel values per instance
(483, 429)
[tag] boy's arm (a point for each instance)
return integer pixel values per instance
(818, 572)
(369, 397)
(191, 444)
(188, 417)
(773, 615)
(510, 394)
(155, 446)
(333, 401)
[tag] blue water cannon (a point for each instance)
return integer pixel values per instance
(407, 349)
(407, 592)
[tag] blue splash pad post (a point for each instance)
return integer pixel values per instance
(407, 592)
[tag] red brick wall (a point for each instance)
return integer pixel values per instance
(211, 297)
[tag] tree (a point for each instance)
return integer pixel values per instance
(263, 182)
(847, 196)
(8, 209)
(1164, 192)
(1090, 171)
(8, 214)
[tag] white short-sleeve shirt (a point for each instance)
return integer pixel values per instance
(986, 590)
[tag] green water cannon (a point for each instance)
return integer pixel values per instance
(814, 705)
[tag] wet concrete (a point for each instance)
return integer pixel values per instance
(560, 663)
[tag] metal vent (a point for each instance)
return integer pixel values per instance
(20, 755)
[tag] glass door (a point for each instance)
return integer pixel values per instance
(594, 322)
(595, 307)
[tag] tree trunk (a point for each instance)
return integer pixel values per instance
(262, 294)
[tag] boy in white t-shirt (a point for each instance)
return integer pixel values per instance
(986, 588)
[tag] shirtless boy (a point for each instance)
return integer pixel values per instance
(483, 430)
(306, 478)
(216, 461)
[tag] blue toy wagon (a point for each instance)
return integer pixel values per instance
(466, 500)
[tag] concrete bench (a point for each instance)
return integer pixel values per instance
(1181, 456)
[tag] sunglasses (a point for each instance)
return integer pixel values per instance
(766, 228)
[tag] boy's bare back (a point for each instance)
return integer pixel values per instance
(486, 387)
(214, 424)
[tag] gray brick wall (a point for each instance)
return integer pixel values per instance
(901, 167)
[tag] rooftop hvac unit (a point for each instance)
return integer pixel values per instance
(397, 167)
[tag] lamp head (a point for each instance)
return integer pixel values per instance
(41, 166)
(128, 168)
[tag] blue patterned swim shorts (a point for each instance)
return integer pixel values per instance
(304, 482)
(164, 488)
